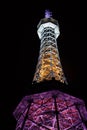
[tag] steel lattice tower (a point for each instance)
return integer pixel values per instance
(51, 109)
(49, 65)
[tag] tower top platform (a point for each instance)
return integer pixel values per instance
(46, 20)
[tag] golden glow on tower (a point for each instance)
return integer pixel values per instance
(49, 65)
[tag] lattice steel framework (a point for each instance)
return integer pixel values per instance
(49, 65)
(51, 110)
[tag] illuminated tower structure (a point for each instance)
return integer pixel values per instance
(52, 109)
(49, 65)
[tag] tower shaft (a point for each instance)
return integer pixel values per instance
(49, 65)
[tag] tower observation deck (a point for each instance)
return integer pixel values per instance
(49, 65)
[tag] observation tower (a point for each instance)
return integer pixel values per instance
(49, 65)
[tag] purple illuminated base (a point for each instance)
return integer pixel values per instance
(51, 110)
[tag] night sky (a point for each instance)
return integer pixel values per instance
(71, 45)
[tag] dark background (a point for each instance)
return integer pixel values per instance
(24, 51)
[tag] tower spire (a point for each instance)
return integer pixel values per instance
(49, 65)
(48, 14)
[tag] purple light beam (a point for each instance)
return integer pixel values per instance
(48, 14)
